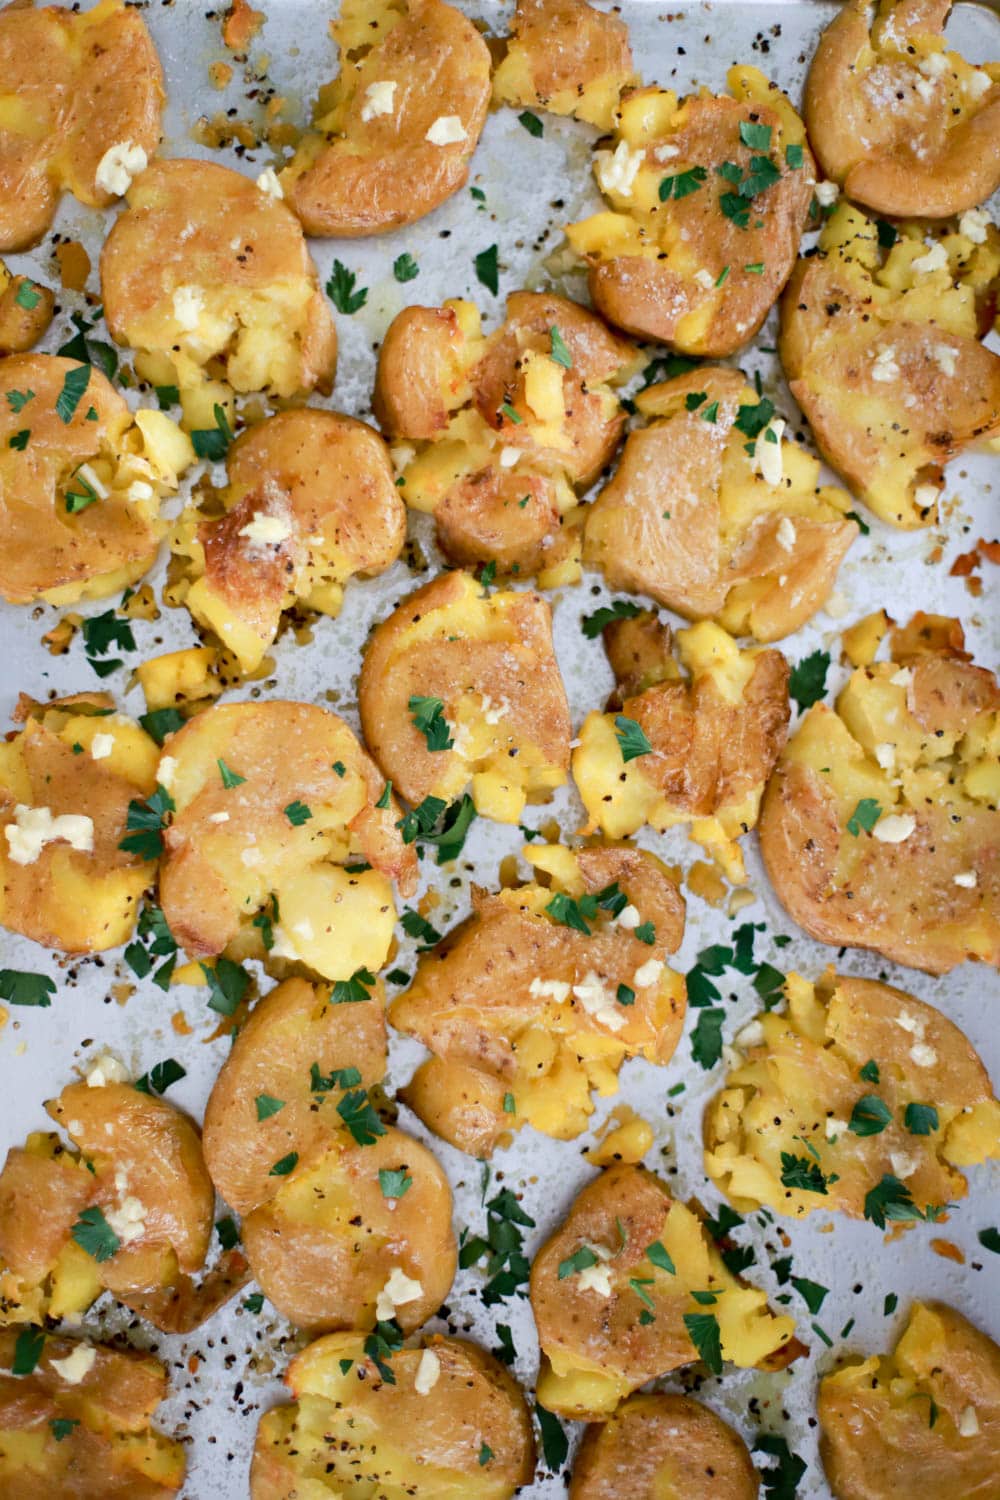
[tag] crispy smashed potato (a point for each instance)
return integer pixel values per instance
(881, 353)
(450, 1422)
(701, 525)
(79, 1425)
(81, 479)
(209, 279)
(498, 434)
(596, 1349)
(303, 802)
(395, 131)
(66, 781)
(483, 664)
(668, 1446)
(26, 309)
(799, 1082)
(693, 749)
(877, 1437)
(709, 197)
(903, 123)
(880, 827)
(311, 501)
(517, 1007)
(72, 87)
(568, 58)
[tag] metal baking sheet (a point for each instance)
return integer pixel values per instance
(225, 1374)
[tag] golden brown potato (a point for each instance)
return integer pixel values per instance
(450, 1421)
(701, 525)
(78, 1426)
(668, 1446)
(905, 125)
(568, 58)
(396, 129)
(311, 501)
(496, 435)
(681, 256)
(26, 309)
(864, 1082)
(880, 827)
(74, 87)
(81, 478)
(626, 1247)
(209, 279)
(66, 781)
(924, 1419)
(302, 803)
(487, 662)
(526, 1016)
(695, 749)
(881, 353)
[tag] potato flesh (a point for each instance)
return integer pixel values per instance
(803, 1081)
(566, 58)
(671, 1448)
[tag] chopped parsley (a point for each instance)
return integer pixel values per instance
(428, 716)
(337, 1078)
(144, 824)
(62, 1427)
(394, 1182)
(869, 1116)
(658, 1256)
(160, 722)
(631, 738)
(794, 155)
(416, 926)
(227, 984)
(756, 136)
(285, 1165)
(405, 268)
(807, 679)
(920, 1119)
(354, 990)
(682, 184)
(800, 1173)
(487, 270)
(359, 1115)
(94, 1234)
(485, 1454)
(160, 1077)
(297, 813)
(706, 1038)
(340, 289)
(434, 822)
(27, 1350)
(781, 1479)
(229, 1235)
(555, 1443)
(703, 1331)
(865, 815)
(27, 295)
(267, 1105)
(229, 778)
(813, 1293)
(892, 1200)
(580, 1260)
(558, 351)
(19, 440)
(213, 442)
(20, 987)
(621, 609)
(531, 123)
(869, 1072)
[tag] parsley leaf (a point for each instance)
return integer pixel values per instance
(487, 270)
(160, 1077)
(658, 1256)
(394, 1182)
(19, 987)
(160, 722)
(990, 1239)
(213, 442)
(144, 824)
(869, 1116)
(580, 1260)
(422, 823)
(869, 1072)
(340, 290)
(703, 1331)
(555, 1443)
(428, 716)
(405, 268)
(631, 738)
(794, 155)
(414, 925)
(568, 912)
(267, 1105)
(385, 1341)
(358, 1114)
(813, 1293)
(337, 1078)
(229, 778)
(94, 1234)
(485, 1453)
(17, 400)
(621, 609)
(801, 1173)
(167, 396)
(892, 1199)
(63, 1426)
(19, 440)
(297, 813)
(227, 983)
(229, 1235)
(780, 1480)
(27, 1350)
(101, 632)
(920, 1119)
(285, 1165)
(757, 137)
(682, 184)
(27, 295)
(865, 816)
(531, 123)
(706, 1038)
(807, 679)
(354, 990)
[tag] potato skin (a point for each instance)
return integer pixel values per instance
(899, 139)
(359, 177)
(86, 83)
(876, 1444)
(435, 1440)
(663, 1439)
(22, 327)
(566, 57)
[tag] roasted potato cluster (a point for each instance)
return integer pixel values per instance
(395, 131)
(67, 778)
(536, 999)
(209, 279)
(79, 1426)
(900, 120)
(80, 99)
(457, 664)
(496, 435)
(709, 196)
(270, 802)
(854, 1084)
(442, 1420)
(566, 57)
(714, 514)
(625, 1248)
(925, 1418)
(879, 344)
(880, 828)
(693, 749)
(310, 501)
(81, 480)
(667, 1445)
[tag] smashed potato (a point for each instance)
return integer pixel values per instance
(66, 781)
(271, 801)
(700, 524)
(81, 479)
(626, 1247)
(479, 670)
(709, 197)
(568, 58)
(496, 435)
(880, 828)
(903, 123)
(209, 279)
(310, 502)
(924, 1419)
(669, 1446)
(26, 309)
(526, 1016)
(804, 1079)
(880, 349)
(79, 1425)
(395, 131)
(676, 749)
(445, 1420)
(73, 88)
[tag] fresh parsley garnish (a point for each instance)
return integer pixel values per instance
(19, 440)
(869, 1116)
(428, 716)
(621, 609)
(435, 822)
(359, 1115)
(20, 987)
(267, 1105)
(631, 738)
(213, 442)
(94, 1234)
(341, 292)
(144, 824)
(354, 990)
(807, 679)
(337, 1078)
(682, 184)
(381, 1344)
(892, 1200)
(227, 983)
(160, 722)
(394, 1182)
(580, 1260)
(869, 1072)
(405, 268)
(781, 1479)
(813, 1293)
(297, 813)
(27, 295)
(558, 350)
(285, 1165)
(160, 1077)
(865, 815)
(703, 1331)
(802, 1174)
(27, 1350)
(229, 1235)
(61, 1427)
(706, 1038)
(487, 269)
(229, 778)
(920, 1119)
(555, 1443)
(531, 123)
(18, 400)
(416, 926)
